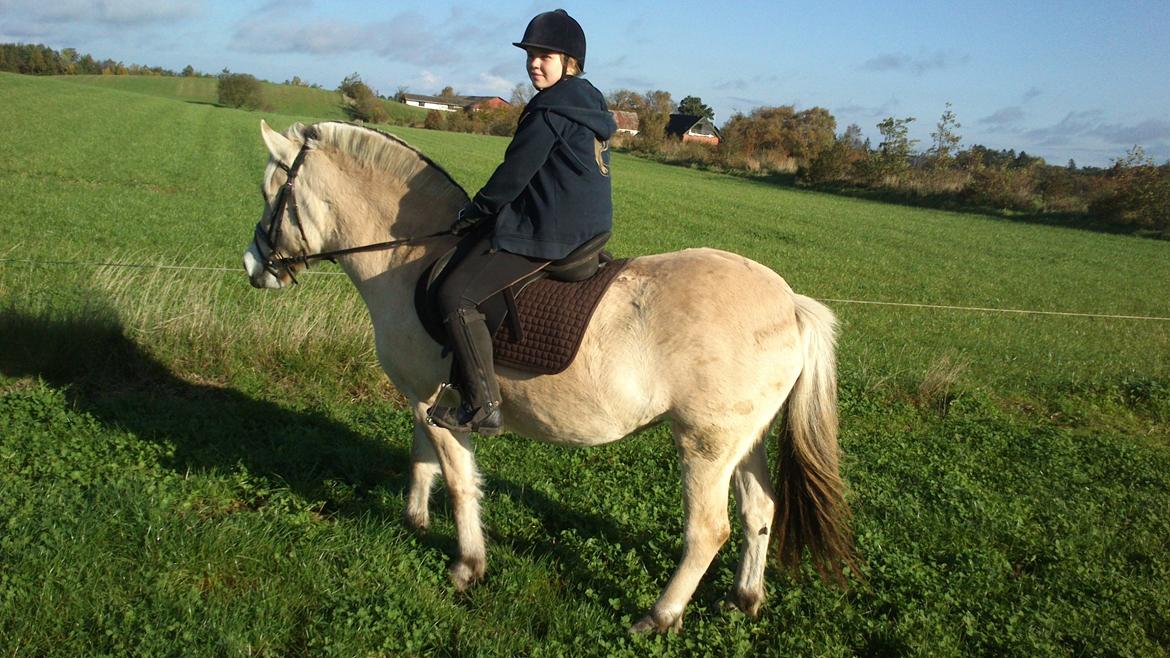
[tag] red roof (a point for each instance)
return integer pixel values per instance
(625, 120)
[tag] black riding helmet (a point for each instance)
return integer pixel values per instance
(558, 31)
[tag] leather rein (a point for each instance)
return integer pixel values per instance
(285, 199)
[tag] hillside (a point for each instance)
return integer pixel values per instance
(282, 99)
(186, 461)
(828, 246)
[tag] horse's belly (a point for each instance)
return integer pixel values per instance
(576, 408)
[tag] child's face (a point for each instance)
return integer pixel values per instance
(545, 67)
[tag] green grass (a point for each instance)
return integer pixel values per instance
(192, 467)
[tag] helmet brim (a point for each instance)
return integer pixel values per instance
(524, 45)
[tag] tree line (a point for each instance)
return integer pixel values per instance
(805, 145)
(38, 59)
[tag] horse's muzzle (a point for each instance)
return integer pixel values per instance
(258, 275)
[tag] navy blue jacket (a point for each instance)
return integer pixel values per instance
(552, 191)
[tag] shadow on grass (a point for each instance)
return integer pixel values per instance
(106, 375)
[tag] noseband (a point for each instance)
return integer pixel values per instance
(284, 198)
(274, 262)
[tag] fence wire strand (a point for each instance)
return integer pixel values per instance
(866, 302)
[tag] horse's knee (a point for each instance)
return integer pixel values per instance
(707, 537)
(721, 532)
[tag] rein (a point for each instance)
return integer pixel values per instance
(286, 198)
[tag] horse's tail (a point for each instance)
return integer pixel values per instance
(812, 511)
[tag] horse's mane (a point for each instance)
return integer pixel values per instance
(388, 153)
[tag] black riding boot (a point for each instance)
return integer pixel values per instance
(479, 410)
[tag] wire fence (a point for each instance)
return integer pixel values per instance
(868, 302)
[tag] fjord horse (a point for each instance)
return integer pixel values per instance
(714, 344)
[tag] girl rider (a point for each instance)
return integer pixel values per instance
(549, 196)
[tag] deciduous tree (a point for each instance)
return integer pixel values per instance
(694, 106)
(894, 150)
(945, 140)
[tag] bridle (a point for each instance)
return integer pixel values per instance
(274, 261)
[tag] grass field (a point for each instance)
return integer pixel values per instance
(285, 99)
(192, 467)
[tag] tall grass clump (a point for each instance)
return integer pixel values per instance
(207, 327)
(940, 384)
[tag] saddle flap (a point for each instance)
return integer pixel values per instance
(554, 315)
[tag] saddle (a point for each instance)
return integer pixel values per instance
(536, 322)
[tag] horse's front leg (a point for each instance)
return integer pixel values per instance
(424, 468)
(457, 463)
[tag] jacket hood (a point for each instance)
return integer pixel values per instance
(576, 99)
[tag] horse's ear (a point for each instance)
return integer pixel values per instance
(280, 147)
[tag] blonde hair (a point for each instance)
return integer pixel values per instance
(571, 65)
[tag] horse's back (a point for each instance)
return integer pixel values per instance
(700, 336)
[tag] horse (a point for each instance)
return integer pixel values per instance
(713, 343)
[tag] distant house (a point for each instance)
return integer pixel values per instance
(691, 128)
(475, 103)
(627, 122)
(454, 103)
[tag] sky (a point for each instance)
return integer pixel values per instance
(1063, 80)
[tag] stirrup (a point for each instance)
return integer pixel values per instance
(451, 412)
(466, 419)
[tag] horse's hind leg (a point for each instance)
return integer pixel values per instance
(707, 462)
(424, 467)
(457, 462)
(756, 502)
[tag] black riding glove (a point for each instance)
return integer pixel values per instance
(469, 217)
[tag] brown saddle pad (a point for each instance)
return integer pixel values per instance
(553, 316)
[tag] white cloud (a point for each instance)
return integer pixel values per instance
(108, 12)
(915, 64)
(407, 36)
(1003, 118)
(869, 111)
(1143, 132)
(1076, 127)
(494, 84)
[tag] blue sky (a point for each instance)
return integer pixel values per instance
(1072, 79)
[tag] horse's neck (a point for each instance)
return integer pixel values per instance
(386, 278)
(381, 211)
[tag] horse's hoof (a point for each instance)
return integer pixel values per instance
(416, 521)
(747, 603)
(466, 572)
(650, 624)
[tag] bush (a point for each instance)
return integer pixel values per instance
(368, 107)
(651, 131)
(1010, 188)
(435, 121)
(833, 164)
(240, 90)
(499, 121)
(360, 102)
(1137, 194)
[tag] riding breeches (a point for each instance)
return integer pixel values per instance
(483, 272)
